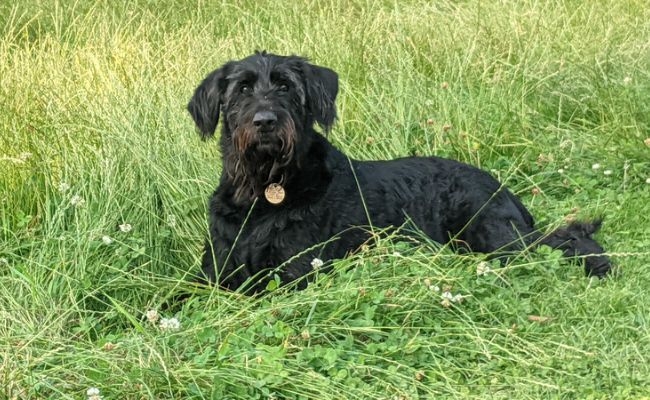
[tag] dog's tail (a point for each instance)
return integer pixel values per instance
(576, 242)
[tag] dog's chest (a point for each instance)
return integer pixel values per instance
(280, 233)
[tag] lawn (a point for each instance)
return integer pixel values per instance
(104, 183)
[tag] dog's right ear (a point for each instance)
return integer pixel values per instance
(205, 104)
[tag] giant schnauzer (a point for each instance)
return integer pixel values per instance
(287, 196)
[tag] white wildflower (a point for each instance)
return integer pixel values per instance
(93, 394)
(316, 263)
(171, 220)
(607, 172)
(77, 201)
(448, 298)
(170, 324)
(63, 187)
(595, 166)
(430, 286)
(483, 268)
(647, 181)
(152, 316)
(107, 239)
(126, 228)
(560, 171)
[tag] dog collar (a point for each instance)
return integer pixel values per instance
(274, 193)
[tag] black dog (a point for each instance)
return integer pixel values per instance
(287, 196)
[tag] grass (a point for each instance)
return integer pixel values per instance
(95, 135)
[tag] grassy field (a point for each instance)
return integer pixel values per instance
(104, 182)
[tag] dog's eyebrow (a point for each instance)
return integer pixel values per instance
(243, 75)
(280, 76)
(284, 76)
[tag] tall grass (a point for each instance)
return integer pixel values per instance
(95, 136)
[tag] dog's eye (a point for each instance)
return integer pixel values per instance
(245, 89)
(283, 88)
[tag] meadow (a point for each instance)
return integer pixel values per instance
(104, 183)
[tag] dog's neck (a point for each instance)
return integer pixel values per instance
(248, 175)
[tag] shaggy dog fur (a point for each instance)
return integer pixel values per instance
(329, 202)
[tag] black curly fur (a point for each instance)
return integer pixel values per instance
(331, 200)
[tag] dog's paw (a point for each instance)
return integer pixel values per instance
(597, 265)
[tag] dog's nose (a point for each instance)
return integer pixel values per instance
(265, 119)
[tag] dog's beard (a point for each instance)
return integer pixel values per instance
(260, 158)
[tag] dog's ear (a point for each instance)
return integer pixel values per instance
(205, 104)
(322, 87)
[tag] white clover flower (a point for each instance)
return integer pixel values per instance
(63, 187)
(77, 201)
(107, 240)
(430, 286)
(560, 171)
(93, 394)
(170, 324)
(607, 172)
(152, 316)
(647, 181)
(316, 263)
(126, 228)
(171, 220)
(595, 166)
(483, 268)
(448, 298)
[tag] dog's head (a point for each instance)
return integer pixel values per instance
(269, 103)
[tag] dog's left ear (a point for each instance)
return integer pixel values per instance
(205, 104)
(322, 87)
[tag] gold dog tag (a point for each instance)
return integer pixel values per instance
(274, 193)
